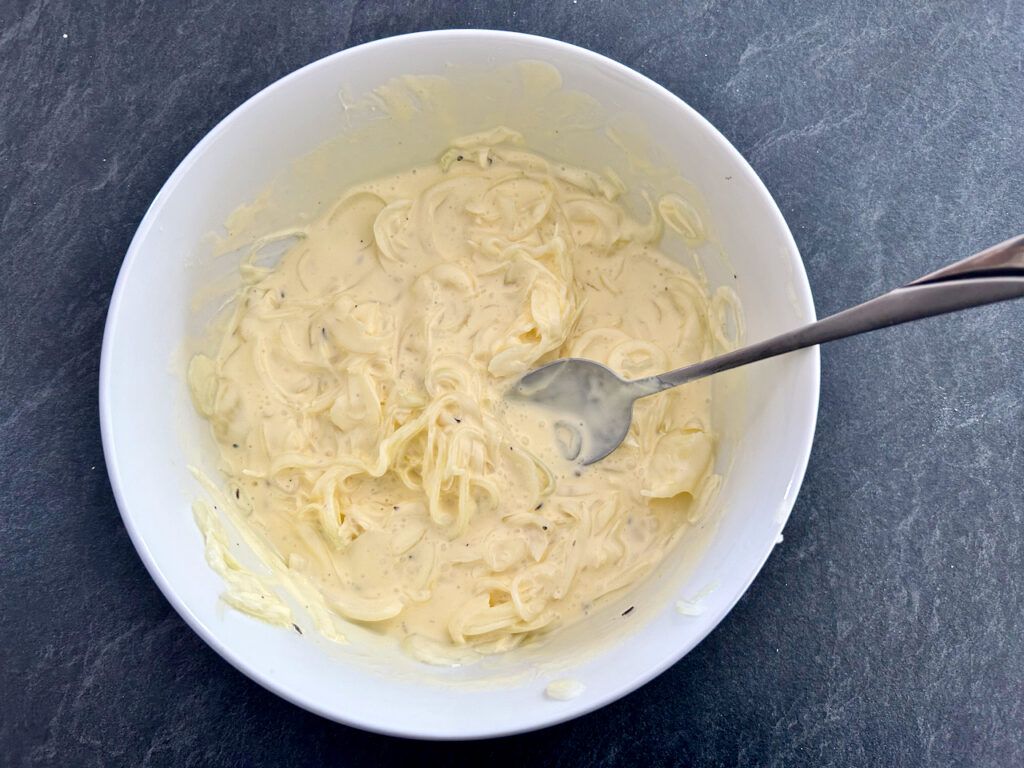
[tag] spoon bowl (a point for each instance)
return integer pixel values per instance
(593, 405)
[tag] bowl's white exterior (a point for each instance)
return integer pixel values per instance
(142, 433)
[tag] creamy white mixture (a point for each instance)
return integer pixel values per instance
(358, 399)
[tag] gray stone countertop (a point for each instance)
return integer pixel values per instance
(888, 627)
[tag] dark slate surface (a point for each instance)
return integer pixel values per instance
(887, 629)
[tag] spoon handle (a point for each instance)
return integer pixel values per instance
(995, 274)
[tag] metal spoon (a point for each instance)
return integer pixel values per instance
(595, 405)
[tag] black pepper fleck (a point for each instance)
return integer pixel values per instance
(234, 445)
(538, 506)
(297, 628)
(628, 610)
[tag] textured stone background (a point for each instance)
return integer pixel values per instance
(888, 628)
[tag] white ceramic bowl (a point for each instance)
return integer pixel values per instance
(151, 435)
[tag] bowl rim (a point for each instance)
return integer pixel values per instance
(803, 301)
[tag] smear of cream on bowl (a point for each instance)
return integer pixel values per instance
(565, 689)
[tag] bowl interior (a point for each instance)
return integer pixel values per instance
(306, 138)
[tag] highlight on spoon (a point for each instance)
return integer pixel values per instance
(569, 439)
